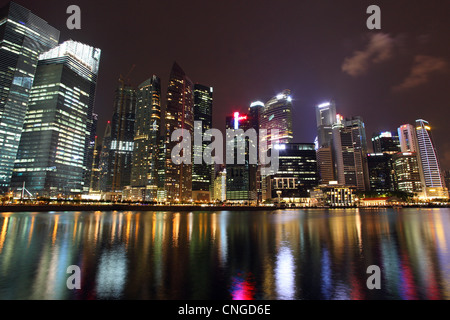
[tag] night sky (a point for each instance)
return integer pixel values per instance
(252, 50)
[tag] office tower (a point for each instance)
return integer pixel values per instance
(56, 135)
(385, 142)
(405, 166)
(238, 174)
(277, 114)
(144, 171)
(297, 174)
(220, 186)
(24, 36)
(104, 174)
(432, 180)
(407, 138)
(90, 152)
(122, 138)
(202, 174)
(94, 183)
(350, 152)
(380, 172)
(447, 179)
(325, 118)
(161, 167)
(179, 114)
(325, 165)
(255, 112)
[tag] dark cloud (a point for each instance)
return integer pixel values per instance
(379, 49)
(421, 72)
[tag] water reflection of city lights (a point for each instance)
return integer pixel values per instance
(243, 287)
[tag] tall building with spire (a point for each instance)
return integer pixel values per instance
(179, 114)
(53, 150)
(144, 172)
(24, 36)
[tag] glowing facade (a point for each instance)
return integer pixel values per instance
(57, 130)
(23, 38)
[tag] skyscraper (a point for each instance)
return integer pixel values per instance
(144, 172)
(277, 114)
(297, 173)
(407, 138)
(122, 139)
(405, 166)
(104, 174)
(432, 180)
(350, 152)
(238, 174)
(325, 118)
(24, 36)
(380, 172)
(202, 174)
(255, 113)
(57, 130)
(179, 114)
(386, 142)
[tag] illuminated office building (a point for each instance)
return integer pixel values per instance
(57, 130)
(407, 138)
(380, 172)
(297, 173)
(406, 176)
(202, 174)
(23, 37)
(238, 184)
(350, 153)
(122, 139)
(255, 112)
(144, 172)
(386, 142)
(432, 180)
(179, 114)
(325, 118)
(277, 114)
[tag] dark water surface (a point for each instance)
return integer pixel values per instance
(286, 254)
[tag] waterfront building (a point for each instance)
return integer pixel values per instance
(202, 174)
(380, 172)
(277, 114)
(94, 183)
(325, 118)
(122, 139)
(179, 114)
(335, 195)
(350, 152)
(51, 160)
(24, 36)
(297, 173)
(104, 173)
(220, 186)
(405, 167)
(431, 176)
(238, 184)
(144, 170)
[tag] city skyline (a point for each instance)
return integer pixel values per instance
(316, 61)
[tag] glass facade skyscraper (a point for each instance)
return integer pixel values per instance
(202, 174)
(146, 134)
(122, 139)
(277, 114)
(179, 114)
(24, 36)
(432, 180)
(57, 130)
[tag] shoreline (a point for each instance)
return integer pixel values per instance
(137, 207)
